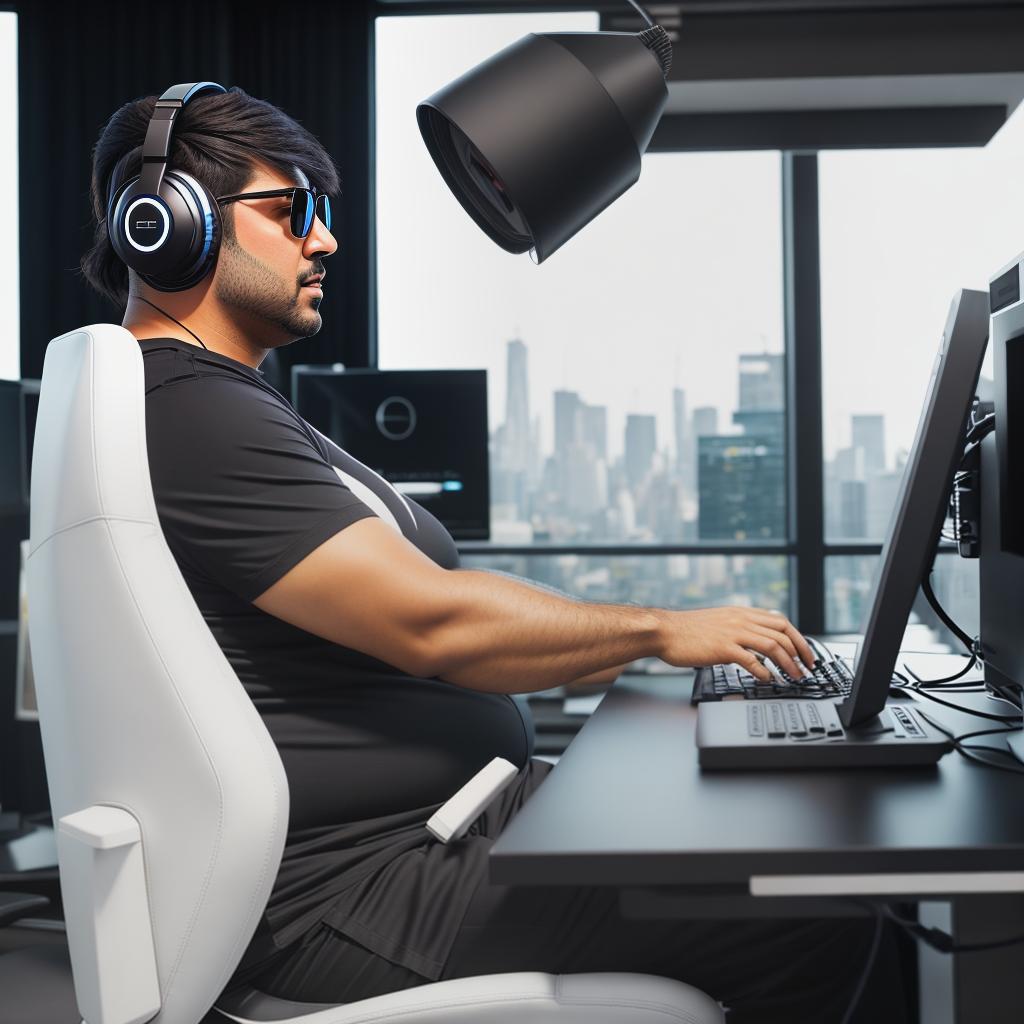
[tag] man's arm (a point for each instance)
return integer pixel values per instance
(368, 588)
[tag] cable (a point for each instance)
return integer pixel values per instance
(943, 941)
(926, 588)
(643, 14)
(876, 942)
(169, 317)
(919, 682)
(967, 751)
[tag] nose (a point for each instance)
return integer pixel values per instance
(319, 241)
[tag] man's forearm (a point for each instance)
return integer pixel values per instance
(503, 636)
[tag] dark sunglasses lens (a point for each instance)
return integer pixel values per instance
(302, 212)
(323, 210)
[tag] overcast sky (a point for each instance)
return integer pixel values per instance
(683, 272)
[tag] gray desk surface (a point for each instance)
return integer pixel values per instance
(627, 805)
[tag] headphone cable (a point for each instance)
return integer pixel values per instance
(169, 317)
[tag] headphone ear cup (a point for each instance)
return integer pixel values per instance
(171, 240)
(202, 229)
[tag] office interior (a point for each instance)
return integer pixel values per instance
(713, 392)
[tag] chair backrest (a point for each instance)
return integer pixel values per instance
(139, 708)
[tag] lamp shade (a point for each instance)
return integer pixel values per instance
(537, 140)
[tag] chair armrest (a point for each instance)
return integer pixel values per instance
(16, 905)
(106, 909)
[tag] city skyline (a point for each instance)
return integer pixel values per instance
(730, 485)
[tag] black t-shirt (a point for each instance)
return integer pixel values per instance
(245, 489)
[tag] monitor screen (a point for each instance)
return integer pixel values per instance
(921, 503)
(424, 431)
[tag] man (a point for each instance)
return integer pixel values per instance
(381, 668)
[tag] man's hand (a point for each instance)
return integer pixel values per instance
(712, 636)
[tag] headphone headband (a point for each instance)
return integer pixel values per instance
(163, 223)
(157, 147)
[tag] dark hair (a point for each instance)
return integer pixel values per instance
(218, 137)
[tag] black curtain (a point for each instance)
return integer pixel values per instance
(79, 62)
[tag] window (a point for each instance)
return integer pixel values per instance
(901, 231)
(636, 377)
(10, 321)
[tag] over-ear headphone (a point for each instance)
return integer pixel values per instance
(163, 223)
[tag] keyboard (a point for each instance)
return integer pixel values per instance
(829, 679)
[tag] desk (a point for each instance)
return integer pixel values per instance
(627, 806)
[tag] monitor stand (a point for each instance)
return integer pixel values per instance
(742, 734)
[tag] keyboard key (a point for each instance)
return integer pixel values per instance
(755, 720)
(813, 719)
(776, 721)
(794, 720)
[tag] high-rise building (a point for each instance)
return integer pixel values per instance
(705, 421)
(679, 429)
(740, 488)
(869, 434)
(568, 426)
(762, 383)
(517, 409)
(594, 429)
(641, 444)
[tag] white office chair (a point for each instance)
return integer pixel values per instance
(169, 798)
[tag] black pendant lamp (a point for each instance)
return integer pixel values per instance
(537, 140)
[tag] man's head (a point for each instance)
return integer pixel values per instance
(232, 143)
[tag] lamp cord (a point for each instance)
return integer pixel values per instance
(169, 317)
(643, 14)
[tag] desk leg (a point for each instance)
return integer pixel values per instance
(987, 986)
(935, 986)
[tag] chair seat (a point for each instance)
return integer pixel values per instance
(37, 989)
(521, 998)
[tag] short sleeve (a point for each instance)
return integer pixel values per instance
(242, 490)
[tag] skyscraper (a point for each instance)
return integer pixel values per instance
(594, 429)
(762, 383)
(641, 444)
(568, 428)
(869, 434)
(679, 429)
(740, 489)
(517, 409)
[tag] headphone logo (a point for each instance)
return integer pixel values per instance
(139, 217)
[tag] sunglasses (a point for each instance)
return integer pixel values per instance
(306, 203)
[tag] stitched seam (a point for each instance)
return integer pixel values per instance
(85, 522)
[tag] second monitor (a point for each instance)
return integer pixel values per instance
(424, 431)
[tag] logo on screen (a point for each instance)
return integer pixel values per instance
(396, 418)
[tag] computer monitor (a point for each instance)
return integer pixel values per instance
(424, 431)
(727, 735)
(920, 503)
(1001, 573)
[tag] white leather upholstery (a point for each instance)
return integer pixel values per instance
(140, 710)
(525, 998)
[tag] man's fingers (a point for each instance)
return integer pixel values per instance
(778, 621)
(771, 645)
(781, 650)
(752, 664)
